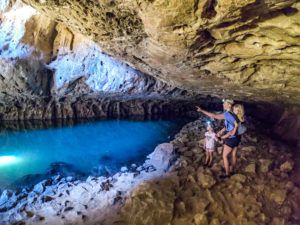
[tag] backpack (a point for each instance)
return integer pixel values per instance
(241, 126)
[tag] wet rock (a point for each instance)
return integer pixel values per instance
(205, 180)
(124, 169)
(8, 200)
(5, 196)
(39, 188)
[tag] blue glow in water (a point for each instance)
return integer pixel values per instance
(83, 148)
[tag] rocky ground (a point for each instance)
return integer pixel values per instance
(261, 191)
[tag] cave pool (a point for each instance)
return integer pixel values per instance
(28, 156)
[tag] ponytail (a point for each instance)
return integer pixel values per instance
(240, 112)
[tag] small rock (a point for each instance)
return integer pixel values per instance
(180, 209)
(278, 221)
(29, 214)
(47, 198)
(215, 221)
(191, 179)
(248, 149)
(39, 188)
(68, 209)
(239, 178)
(70, 179)
(200, 219)
(278, 195)
(205, 180)
(265, 165)
(251, 168)
(90, 178)
(287, 166)
(219, 150)
(124, 169)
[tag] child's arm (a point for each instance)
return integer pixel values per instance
(216, 138)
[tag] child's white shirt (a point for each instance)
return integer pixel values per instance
(210, 140)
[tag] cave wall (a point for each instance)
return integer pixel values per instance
(40, 57)
(243, 49)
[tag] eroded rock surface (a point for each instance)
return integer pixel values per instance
(40, 57)
(246, 49)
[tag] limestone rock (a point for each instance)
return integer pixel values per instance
(205, 180)
(278, 196)
(287, 166)
(239, 178)
(246, 48)
(251, 168)
(161, 156)
(265, 165)
(200, 219)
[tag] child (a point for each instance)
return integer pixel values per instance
(209, 144)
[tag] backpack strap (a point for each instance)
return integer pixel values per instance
(235, 117)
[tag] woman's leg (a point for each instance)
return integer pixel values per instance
(226, 151)
(233, 159)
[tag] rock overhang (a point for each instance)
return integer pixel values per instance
(248, 50)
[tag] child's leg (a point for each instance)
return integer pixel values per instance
(210, 158)
(207, 157)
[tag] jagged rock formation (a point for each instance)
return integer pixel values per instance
(246, 49)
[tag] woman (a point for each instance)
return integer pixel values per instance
(230, 138)
(239, 111)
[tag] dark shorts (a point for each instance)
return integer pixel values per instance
(232, 142)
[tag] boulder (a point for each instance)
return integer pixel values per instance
(161, 157)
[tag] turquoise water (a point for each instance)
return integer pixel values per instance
(92, 148)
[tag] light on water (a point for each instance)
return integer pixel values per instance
(7, 160)
(93, 148)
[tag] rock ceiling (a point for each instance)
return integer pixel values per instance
(247, 49)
